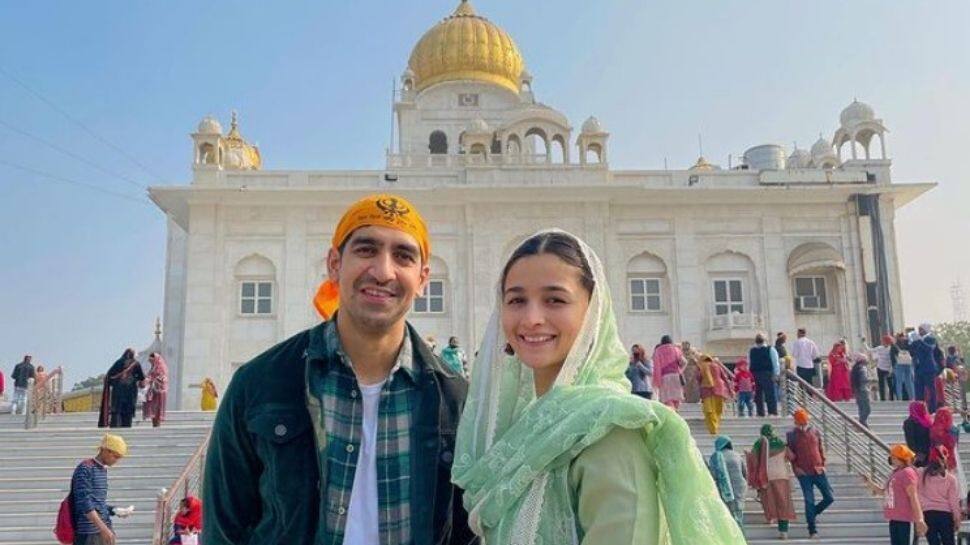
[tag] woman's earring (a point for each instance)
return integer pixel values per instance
(508, 349)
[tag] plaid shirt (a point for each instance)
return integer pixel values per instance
(336, 409)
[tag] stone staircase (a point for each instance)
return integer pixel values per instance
(36, 467)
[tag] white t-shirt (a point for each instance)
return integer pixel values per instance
(804, 351)
(362, 515)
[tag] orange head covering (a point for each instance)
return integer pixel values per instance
(902, 452)
(382, 210)
(801, 417)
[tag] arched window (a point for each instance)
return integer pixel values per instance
(646, 278)
(256, 280)
(207, 154)
(595, 154)
(558, 149)
(438, 143)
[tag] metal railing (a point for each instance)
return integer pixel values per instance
(953, 397)
(863, 452)
(30, 416)
(188, 483)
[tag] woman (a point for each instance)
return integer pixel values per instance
(916, 428)
(156, 386)
(943, 433)
(901, 505)
(640, 373)
(209, 395)
(668, 382)
(715, 389)
(43, 395)
(551, 446)
(769, 472)
(692, 393)
(939, 496)
(120, 392)
(730, 476)
(839, 387)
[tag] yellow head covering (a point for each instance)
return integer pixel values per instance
(382, 210)
(115, 444)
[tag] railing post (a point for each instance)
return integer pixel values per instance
(825, 427)
(29, 421)
(161, 508)
(872, 463)
(848, 446)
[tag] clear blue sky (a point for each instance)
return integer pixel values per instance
(82, 271)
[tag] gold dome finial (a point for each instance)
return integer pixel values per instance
(466, 46)
(234, 126)
(241, 154)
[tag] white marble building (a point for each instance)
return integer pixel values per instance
(706, 254)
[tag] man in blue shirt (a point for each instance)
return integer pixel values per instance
(89, 485)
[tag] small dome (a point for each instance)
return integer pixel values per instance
(856, 112)
(592, 125)
(209, 125)
(466, 46)
(478, 126)
(703, 165)
(799, 158)
(822, 148)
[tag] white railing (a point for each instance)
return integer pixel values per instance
(188, 483)
(863, 452)
(737, 321)
(427, 160)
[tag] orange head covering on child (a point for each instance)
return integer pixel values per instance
(902, 452)
(801, 417)
(382, 210)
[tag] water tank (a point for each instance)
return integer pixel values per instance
(765, 157)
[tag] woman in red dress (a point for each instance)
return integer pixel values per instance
(839, 388)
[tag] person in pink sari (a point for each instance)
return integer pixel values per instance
(156, 384)
(839, 387)
(668, 364)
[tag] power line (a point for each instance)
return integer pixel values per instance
(62, 179)
(82, 126)
(69, 153)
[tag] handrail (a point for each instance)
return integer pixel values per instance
(863, 451)
(188, 482)
(30, 416)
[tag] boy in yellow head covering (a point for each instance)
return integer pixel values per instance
(305, 414)
(89, 486)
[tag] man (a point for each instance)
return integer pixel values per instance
(89, 486)
(22, 372)
(808, 461)
(454, 356)
(884, 366)
(806, 355)
(764, 367)
(923, 348)
(344, 433)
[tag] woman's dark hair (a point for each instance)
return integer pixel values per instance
(666, 340)
(129, 354)
(558, 244)
(936, 467)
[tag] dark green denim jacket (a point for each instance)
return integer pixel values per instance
(262, 476)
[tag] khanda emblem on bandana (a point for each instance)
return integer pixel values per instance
(392, 209)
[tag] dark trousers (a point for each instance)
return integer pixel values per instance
(812, 510)
(88, 539)
(862, 403)
(886, 380)
(764, 392)
(925, 386)
(899, 533)
(940, 524)
(644, 395)
(806, 374)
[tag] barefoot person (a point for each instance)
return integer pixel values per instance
(344, 433)
(552, 448)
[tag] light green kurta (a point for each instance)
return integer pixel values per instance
(614, 490)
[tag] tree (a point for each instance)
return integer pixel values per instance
(89, 382)
(954, 333)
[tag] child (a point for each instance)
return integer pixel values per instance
(188, 521)
(860, 387)
(744, 386)
(901, 505)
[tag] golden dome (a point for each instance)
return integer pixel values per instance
(240, 154)
(466, 46)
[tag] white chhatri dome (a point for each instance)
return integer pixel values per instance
(478, 126)
(592, 125)
(822, 148)
(799, 158)
(209, 125)
(856, 112)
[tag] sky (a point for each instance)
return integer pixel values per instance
(97, 101)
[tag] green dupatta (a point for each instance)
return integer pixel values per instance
(514, 451)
